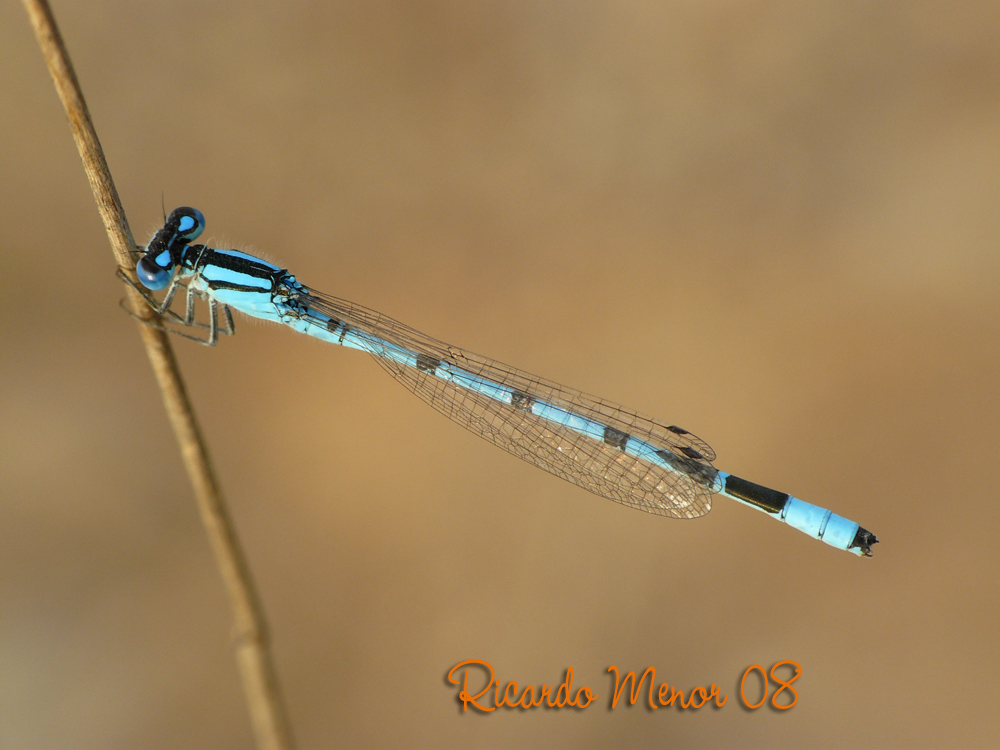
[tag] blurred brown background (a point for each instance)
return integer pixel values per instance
(772, 224)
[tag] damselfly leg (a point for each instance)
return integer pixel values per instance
(162, 308)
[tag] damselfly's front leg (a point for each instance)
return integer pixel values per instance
(150, 300)
(162, 308)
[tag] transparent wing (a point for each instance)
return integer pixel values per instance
(436, 373)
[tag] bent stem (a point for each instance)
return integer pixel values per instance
(253, 656)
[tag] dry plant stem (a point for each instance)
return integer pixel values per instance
(270, 723)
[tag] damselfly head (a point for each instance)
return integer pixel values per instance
(156, 268)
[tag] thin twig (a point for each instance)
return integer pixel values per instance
(253, 656)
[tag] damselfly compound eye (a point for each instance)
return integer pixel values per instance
(190, 222)
(151, 275)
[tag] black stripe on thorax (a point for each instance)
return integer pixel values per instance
(215, 285)
(199, 256)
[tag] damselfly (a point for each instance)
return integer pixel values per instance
(598, 445)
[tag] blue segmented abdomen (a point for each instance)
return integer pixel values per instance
(584, 443)
(573, 440)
